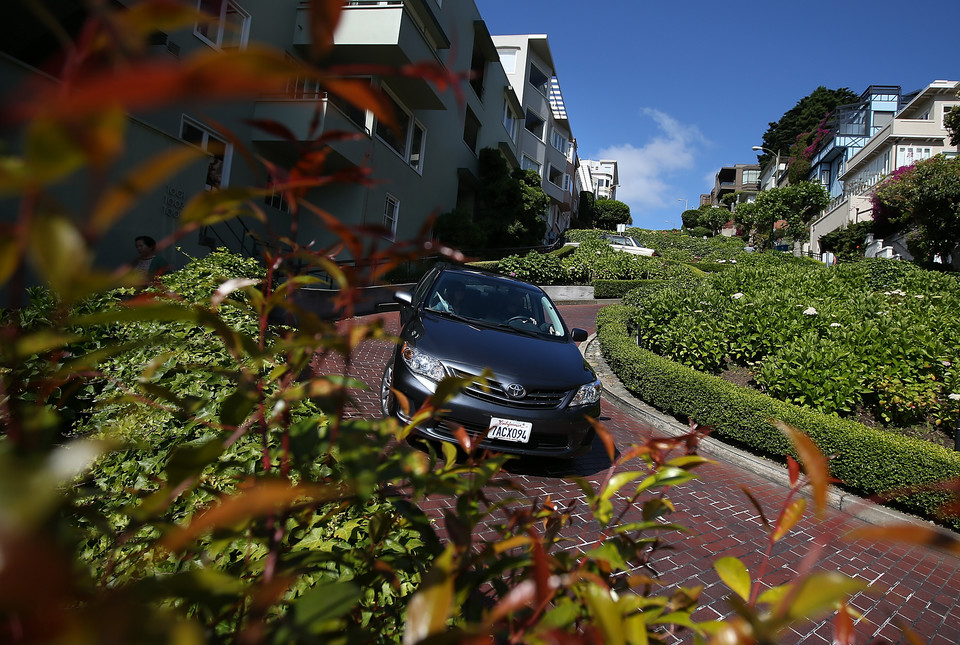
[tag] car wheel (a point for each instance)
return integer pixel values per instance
(388, 402)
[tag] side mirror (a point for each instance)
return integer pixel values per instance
(578, 335)
(403, 297)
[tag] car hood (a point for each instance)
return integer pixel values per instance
(533, 362)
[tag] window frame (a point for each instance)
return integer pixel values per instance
(556, 135)
(390, 221)
(511, 120)
(209, 133)
(221, 25)
(532, 165)
(471, 126)
(553, 170)
(414, 129)
(543, 88)
(543, 124)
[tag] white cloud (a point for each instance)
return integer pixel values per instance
(645, 170)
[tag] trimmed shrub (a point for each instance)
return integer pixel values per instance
(867, 461)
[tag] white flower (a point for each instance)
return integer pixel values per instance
(919, 296)
(954, 397)
(809, 311)
(834, 324)
(947, 363)
(733, 261)
(721, 261)
(737, 296)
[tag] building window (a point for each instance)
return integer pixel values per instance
(416, 146)
(277, 200)
(230, 27)
(218, 149)
(539, 80)
(391, 213)
(478, 66)
(529, 164)
(534, 124)
(511, 122)
(408, 138)
(304, 88)
(471, 130)
(751, 176)
(825, 177)
(566, 183)
(559, 141)
(508, 58)
(554, 176)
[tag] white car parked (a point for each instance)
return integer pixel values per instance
(624, 243)
(628, 244)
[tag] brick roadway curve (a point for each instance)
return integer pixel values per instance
(909, 585)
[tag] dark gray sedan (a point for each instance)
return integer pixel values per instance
(539, 391)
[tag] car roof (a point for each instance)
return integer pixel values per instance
(467, 270)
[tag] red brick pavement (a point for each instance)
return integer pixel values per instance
(909, 585)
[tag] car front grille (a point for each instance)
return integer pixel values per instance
(494, 391)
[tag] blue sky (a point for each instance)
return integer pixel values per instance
(674, 90)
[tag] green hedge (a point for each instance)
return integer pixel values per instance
(867, 461)
(619, 288)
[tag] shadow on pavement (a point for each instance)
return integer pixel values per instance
(586, 465)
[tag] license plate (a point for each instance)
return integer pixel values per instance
(509, 430)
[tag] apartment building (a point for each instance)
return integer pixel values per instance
(738, 178)
(426, 166)
(604, 176)
(546, 143)
(915, 132)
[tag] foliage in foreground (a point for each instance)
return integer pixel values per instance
(175, 469)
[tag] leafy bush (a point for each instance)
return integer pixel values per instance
(538, 268)
(867, 461)
(836, 345)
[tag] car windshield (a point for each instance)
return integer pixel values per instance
(620, 239)
(487, 300)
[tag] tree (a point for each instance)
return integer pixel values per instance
(924, 201)
(803, 118)
(609, 213)
(691, 217)
(585, 212)
(797, 204)
(847, 243)
(951, 120)
(509, 209)
(714, 217)
(529, 224)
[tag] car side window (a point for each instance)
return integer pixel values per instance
(425, 282)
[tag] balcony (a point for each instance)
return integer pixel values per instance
(391, 33)
(298, 115)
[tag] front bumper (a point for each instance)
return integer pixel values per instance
(560, 432)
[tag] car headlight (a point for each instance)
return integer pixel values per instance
(587, 394)
(422, 363)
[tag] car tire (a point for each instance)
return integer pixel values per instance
(388, 402)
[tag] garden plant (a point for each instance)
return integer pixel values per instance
(175, 468)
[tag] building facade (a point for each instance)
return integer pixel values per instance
(604, 177)
(546, 142)
(915, 132)
(740, 179)
(424, 166)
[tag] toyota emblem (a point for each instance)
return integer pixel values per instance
(515, 391)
